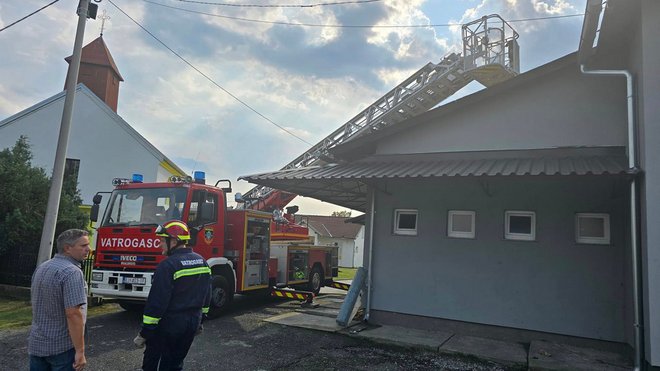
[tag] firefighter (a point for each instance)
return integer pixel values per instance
(178, 301)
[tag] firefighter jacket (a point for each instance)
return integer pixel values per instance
(181, 286)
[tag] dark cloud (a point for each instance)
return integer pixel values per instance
(288, 48)
(348, 54)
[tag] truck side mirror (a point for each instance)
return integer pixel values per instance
(94, 213)
(224, 189)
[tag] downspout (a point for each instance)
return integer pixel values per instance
(371, 253)
(632, 164)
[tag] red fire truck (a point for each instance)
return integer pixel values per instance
(235, 242)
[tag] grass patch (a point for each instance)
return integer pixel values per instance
(18, 313)
(104, 309)
(346, 273)
(14, 313)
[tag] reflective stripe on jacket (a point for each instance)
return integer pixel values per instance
(181, 284)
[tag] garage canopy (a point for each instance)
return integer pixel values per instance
(345, 184)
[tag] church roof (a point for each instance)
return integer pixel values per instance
(97, 53)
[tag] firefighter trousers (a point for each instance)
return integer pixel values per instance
(169, 345)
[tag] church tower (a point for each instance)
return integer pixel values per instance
(99, 73)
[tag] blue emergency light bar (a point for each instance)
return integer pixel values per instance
(200, 177)
(136, 178)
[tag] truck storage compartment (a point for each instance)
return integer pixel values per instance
(298, 265)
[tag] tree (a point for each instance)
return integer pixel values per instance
(23, 199)
(341, 214)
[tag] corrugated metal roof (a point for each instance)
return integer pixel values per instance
(344, 184)
(451, 165)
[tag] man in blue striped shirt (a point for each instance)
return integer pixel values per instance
(178, 299)
(59, 307)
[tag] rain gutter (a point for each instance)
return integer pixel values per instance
(371, 253)
(589, 39)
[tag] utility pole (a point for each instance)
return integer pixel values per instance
(50, 220)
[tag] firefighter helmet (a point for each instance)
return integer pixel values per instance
(174, 229)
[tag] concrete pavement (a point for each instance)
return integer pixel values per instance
(534, 355)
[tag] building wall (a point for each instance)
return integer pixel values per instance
(102, 81)
(105, 149)
(647, 74)
(345, 247)
(560, 109)
(640, 55)
(552, 284)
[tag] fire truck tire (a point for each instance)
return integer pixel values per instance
(221, 295)
(315, 280)
(132, 307)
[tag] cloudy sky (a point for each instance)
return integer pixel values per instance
(307, 79)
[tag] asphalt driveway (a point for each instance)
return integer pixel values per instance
(242, 340)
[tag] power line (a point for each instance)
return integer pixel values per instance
(544, 18)
(29, 15)
(206, 76)
(281, 5)
(348, 26)
(271, 22)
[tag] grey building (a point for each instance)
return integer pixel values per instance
(529, 207)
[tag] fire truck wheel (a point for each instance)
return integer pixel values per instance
(316, 280)
(221, 295)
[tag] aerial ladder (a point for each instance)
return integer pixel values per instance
(490, 56)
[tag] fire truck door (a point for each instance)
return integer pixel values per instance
(207, 233)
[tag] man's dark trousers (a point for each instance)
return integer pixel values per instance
(170, 342)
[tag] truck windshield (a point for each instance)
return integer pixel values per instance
(129, 207)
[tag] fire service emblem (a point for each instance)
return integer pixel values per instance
(208, 236)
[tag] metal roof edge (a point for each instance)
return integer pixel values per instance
(13, 118)
(503, 153)
(243, 177)
(592, 12)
